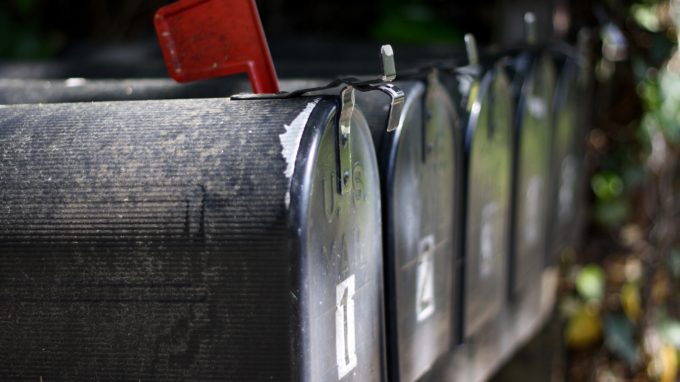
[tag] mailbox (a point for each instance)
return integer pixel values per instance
(567, 160)
(420, 166)
(534, 84)
(190, 239)
(488, 145)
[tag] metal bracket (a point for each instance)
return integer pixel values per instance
(397, 100)
(344, 140)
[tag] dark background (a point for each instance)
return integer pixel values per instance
(35, 29)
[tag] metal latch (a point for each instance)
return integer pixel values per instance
(344, 139)
(347, 109)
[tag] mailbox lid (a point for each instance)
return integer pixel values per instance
(534, 131)
(488, 145)
(419, 165)
(568, 156)
(341, 260)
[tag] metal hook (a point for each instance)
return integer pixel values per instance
(471, 49)
(397, 99)
(344, 139)
(389, 69)
(530, 30)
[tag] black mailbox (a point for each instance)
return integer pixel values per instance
(189, 240)
(534, 84)
(420, 165)
(488, 144)
(567, 160)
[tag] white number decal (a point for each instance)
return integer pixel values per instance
(345, 337)
(566, 195)
(425, 279)
(486, 239)
(531, 209)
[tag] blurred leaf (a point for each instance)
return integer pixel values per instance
(660, 287)
(674, 263)
(590, 282)
(612, 213)
(633, 269)
(646, 16)
(607, 185)
(671, 332)
(650, 93)
(618, 332)
(631, 234)
(584, 328)
(669, 110)
(664, 364)
(630, 301)
(569, 306)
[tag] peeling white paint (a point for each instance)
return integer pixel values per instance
(74, 82)
(290, 142)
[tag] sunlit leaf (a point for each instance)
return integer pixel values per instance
(607, 185)
(584, 328)
(590, 282)
(664, 364)
(671, 332)
(646, 16)
(630, 301)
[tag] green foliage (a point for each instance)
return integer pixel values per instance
(413, 22)
(590, 282)
(611, 207)
(607, 186)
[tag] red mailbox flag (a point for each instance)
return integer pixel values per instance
(204, 39)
